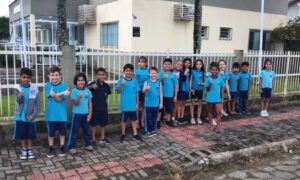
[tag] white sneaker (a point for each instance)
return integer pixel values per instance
(30, 154)
(214, 122)
(199, 121)
(193, 121)
(224, 113)
(266, 113)
(262, 113)
(23, 154)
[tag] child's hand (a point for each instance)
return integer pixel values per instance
(123, 82)
(89, 117)
(94, 86)
(186, 71)
(81, 93)
(175, 99)
(211, 82)
(52, 92)
(148, 87)
(193, 91)
(21, 93)
(29, 118)
(66, 92)
(229, 97)
(165, 76)
(161, 106)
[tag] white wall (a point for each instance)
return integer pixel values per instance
(293, 11)
(118, 11)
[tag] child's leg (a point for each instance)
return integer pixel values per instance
(133, 124)
(229, 105)
(62, 140)
(267, 103)
(123, 127)
(209, 113)
(75, 125)
(86, 131)
(93, 129)
(218, 112)
(182, 108)
(179, 109)
(147, 119)
(29, 143)
(154, 120)
(23, 144)
(142, 113)
(174, 111)
(192, 107)
(199, 108)
(102, 132)
(262, 103)
(233, 105)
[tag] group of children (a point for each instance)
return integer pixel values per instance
(146, 97)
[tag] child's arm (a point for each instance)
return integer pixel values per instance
(119, 89)
(137, 101)
(191, 82)
(19, 94)
(160, 96)
(249, 86)
(175, 92)
(146, 87)
(90, 111)
(260, 85)
(222, 92)
(209, 85)
(227, 89)
(273, 85)
(77, 100)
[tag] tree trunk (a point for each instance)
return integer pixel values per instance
(61, 32)
(197, 26)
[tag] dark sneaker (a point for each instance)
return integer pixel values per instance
(94, 143)
(23, 155)
(247, 112)
(50, 152)
(153, 133)
(169, 123)
(174, 123)
(137, 137)
(122, 138)
(104, 141)
(62, 151)
(30, 154)
(182, 121)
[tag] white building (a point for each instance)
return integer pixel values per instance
(294, 9)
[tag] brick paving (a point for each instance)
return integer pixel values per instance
(154, 157)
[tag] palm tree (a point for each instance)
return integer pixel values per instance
(197, 26)
(61, 32)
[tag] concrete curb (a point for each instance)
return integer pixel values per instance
(225, 157)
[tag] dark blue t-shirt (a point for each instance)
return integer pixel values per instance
(100, 95)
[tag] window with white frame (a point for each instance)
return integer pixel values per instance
(109, 34)
(204, 32)
(225, 33)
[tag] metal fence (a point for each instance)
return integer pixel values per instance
(285, 64)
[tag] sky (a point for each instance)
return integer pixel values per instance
(4, 7)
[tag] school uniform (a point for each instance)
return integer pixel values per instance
(267, 83)
(197, 86)
(141, 75)
(245, 77)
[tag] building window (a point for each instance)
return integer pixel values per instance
(225, 33)
(109, 35)
(136, 32)
(76, 34)
(43, 33)
(204, 32)
(254, 40)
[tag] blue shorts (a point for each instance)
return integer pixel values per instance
(141, 96)
(24, 130)
(168, 104)
(182, 95)
(213, 103)
(132, 115)
(266, 93)
(233, 95)
(99, 117)
(198, 95)
(56, 125)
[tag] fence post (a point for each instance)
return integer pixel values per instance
(239, 56)
(287, 73)
(68, 66)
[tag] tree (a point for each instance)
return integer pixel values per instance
(61, 32)
(197, 26)
(4, 28)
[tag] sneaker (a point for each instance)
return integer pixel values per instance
(94, 143)
(153, 133)
(122, 138)
(137, 137)
(262, 113)
(104, 141)
(50, 152)
(193, 121)
(23, 154)
(266, 113)
(224, 113)
(174, 123)
(214, 122)
(147, 134)
(182, 121)
(247, 112)
(199, 121)
(89, 148)
(30, 154)
(62, 151)
(73, 151)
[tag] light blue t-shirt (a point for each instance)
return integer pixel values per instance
(23, 116)
(224, 76)
(83, 106)
(244, 80)
(128, 94)
(198, 77)
(141, 76)
(152, 95)
(267, 78)
(185, 85)
(55, 111)
(214, 94)
(234, 78)
(168, 84)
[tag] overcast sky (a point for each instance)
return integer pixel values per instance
(4, 7)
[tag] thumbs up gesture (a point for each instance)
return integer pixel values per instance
(66, 92)
(81, 93)
(52, 92)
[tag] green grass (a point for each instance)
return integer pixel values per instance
(293, 85)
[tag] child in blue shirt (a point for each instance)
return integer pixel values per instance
(184, 88)
(27, 108)
(100, 91)
(197, 82)
(234, 78)
(82, 113)
(214, 95)
(129, 89)
(244, 88)
(222, 68)
(153, 101)
(142, 75)
(56, 111)
(176, 71)
(266, 84)
(170, 88)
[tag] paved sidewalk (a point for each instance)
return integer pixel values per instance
(156, 156)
